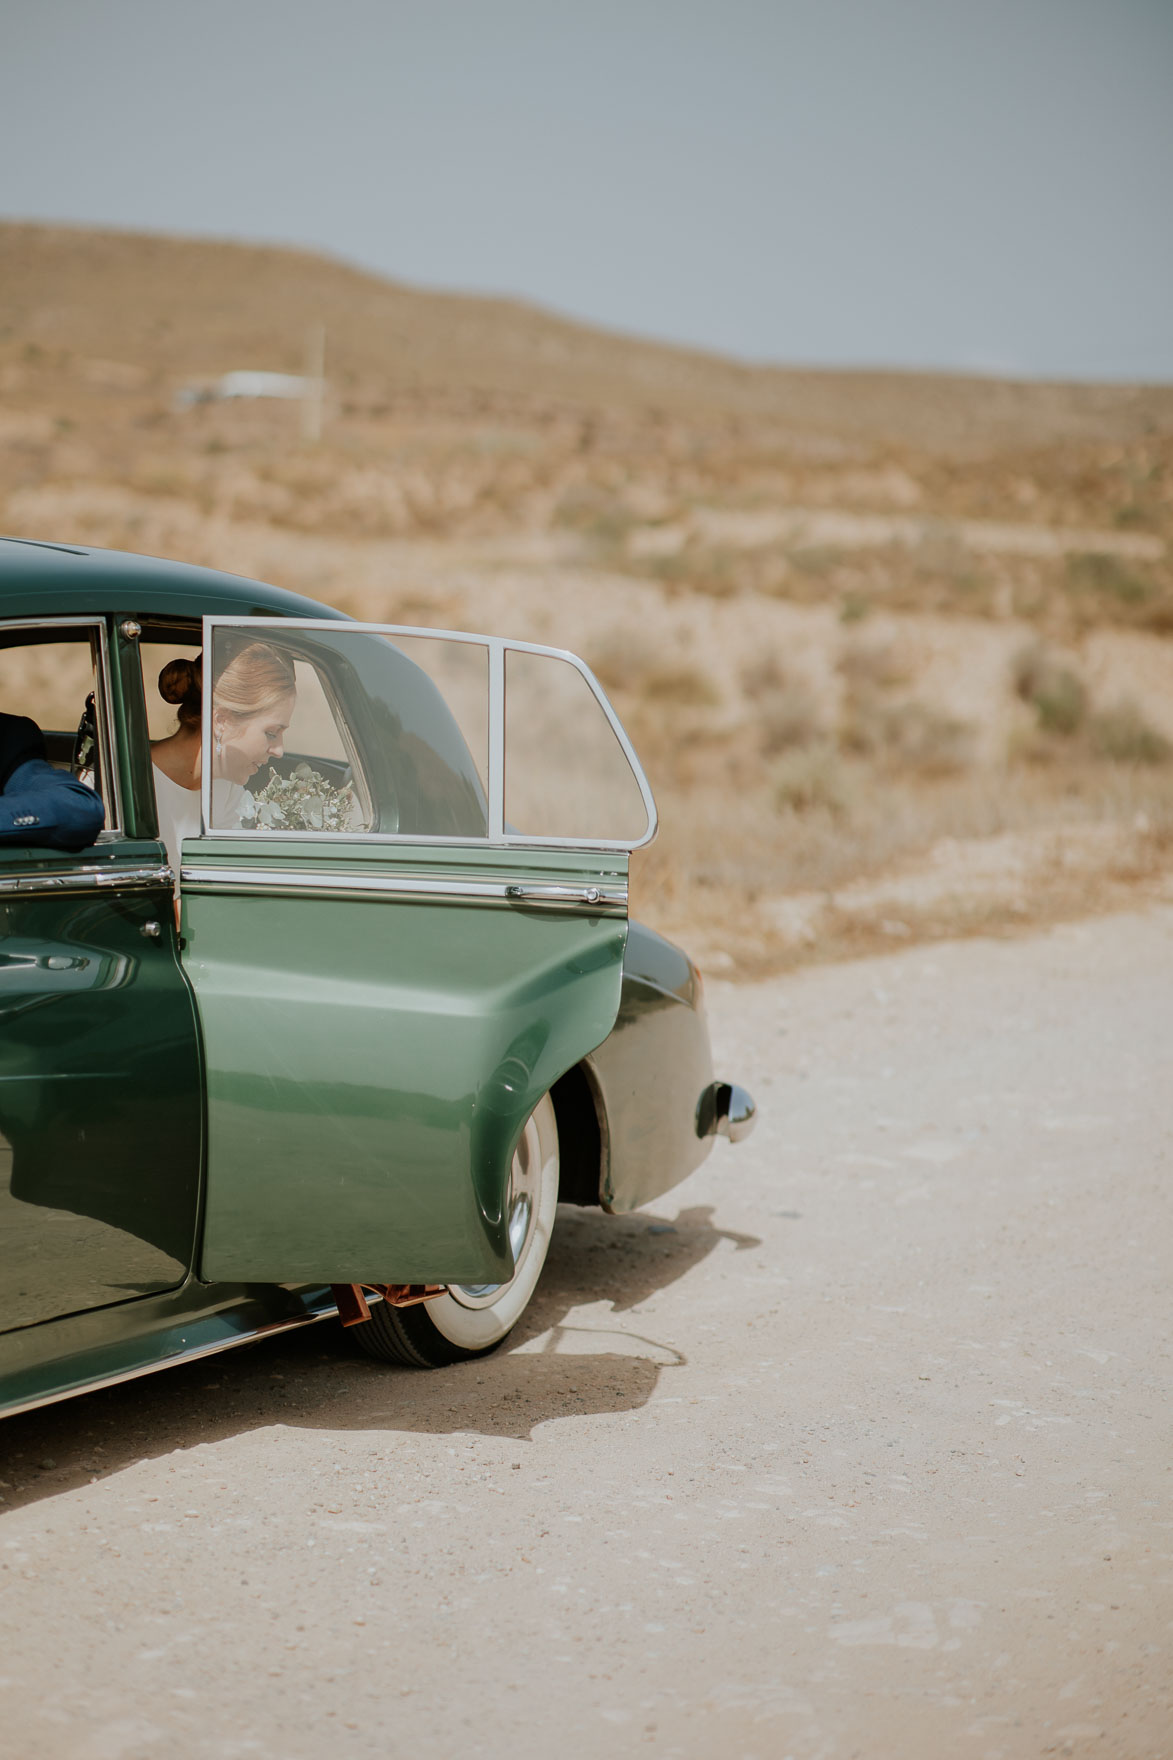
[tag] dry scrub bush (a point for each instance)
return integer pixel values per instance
(620, 660)
(811, 777)
(908, 735)
(941, 555)
(684, 686)
(812, 559)
(785, 712)
(1099, 588)
(1059, 698)
(901, 734)
(854, 607)
(876, 665)
(718, 572)
(1110, 577)
(631, 666)
(1055, 693)
(1122, 734)
(916, 736)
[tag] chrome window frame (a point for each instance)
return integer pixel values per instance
(111, 796)
(498, 837)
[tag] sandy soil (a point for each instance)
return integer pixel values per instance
(857, 1446)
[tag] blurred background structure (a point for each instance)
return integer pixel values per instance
(851, 470)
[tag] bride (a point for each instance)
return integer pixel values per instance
(253, 699)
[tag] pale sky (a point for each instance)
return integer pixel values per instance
(983, 184)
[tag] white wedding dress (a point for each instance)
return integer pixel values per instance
(179, 811)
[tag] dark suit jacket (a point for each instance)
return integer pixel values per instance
(40, 806)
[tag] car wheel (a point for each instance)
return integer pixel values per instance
(472, 1320)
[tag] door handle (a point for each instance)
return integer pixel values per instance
(568, 897)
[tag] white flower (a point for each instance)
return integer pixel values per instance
(304, 801)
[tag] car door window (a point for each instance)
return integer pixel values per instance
(335, 733)
(418, 735)
(54, 675)
(568, 775)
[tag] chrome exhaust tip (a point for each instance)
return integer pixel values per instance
(725, 1110)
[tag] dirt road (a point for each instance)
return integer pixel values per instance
(858, 1446)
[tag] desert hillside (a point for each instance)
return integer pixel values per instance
(895, 646)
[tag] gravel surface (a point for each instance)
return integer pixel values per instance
(858, 1444)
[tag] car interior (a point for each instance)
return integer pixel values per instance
(402, 776)
(55, 682)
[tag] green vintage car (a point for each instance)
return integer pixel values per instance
(388, 1016)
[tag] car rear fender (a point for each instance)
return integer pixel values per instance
(627, 1114)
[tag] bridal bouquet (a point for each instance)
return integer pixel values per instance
(303, 801)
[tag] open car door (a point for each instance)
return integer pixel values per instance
(404, 921)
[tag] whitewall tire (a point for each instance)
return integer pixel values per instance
(471, 1320)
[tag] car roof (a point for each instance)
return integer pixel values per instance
(40, 579)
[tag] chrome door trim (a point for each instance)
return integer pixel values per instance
(107, 878)
(112, 766)
(412, 839)
(420, 888)
(271, 1328)
(495, 779)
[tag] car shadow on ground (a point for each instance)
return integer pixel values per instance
(317, 1379)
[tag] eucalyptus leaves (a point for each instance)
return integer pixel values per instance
(302, 801)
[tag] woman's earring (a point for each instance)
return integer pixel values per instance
(219, 746)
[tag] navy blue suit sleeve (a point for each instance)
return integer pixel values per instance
(43, 807)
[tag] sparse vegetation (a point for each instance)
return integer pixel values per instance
(812, 777)
(1122, 734)
(635, 668)
(785, 710)
(1055, 693)
(1118, 731)
(827, 605)
(1093, 572)
(869, 666)
(814, 560)
(898, 731)
(915, 736)
(698, 568)
(686, 686)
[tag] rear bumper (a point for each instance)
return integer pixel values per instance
(725, 1110)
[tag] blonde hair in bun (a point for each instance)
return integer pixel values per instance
(182, 682)
(254, 679)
